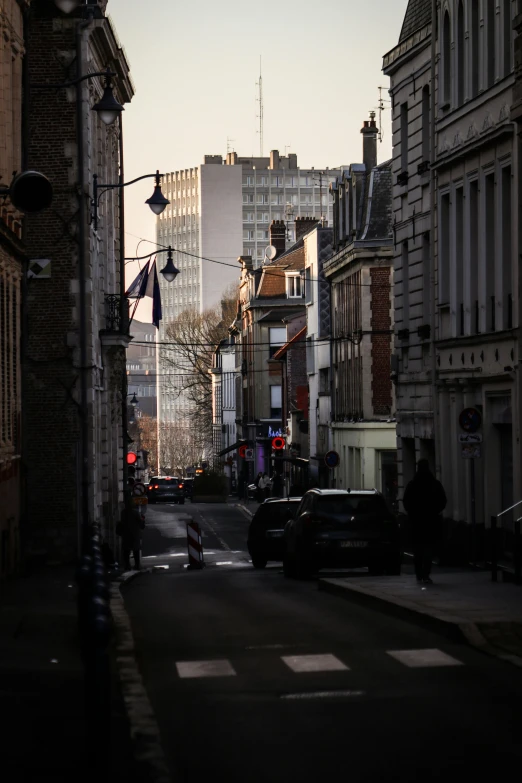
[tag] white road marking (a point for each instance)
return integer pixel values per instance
(322, 695)
(424, 658)
(216, 668)
(226, 562)
(314, 663)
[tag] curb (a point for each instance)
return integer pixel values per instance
(465, 633)
(144, 730)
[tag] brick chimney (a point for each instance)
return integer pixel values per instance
(274, 159)
(278, 236)
(370, 133)
(303, 225)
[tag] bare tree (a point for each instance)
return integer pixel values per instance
(147, 434)
(193, 338)
(180, 447)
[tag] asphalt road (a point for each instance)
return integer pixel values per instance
(255, 678)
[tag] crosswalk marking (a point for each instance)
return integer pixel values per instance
(217, 668)
(423, 658)
(314, 663)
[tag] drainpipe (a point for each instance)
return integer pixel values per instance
(124, 319)
(433, 275)
(85, 468)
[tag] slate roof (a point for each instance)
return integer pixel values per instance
(377, 217)
(418, 15)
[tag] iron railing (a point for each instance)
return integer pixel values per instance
(117, 313)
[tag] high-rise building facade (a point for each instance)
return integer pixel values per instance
(221, 210)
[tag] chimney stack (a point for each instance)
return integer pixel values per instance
(303, 225)
(274, 159)
(278, 236)
(370, 133)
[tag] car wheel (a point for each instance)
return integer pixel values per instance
(304, 567)
(259, 562)
(393, 565)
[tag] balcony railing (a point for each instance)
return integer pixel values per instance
(117, 314)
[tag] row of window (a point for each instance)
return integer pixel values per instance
(476, 49)
(291, 181)
(280, 199)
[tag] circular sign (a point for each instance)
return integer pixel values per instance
(331, 459)
(131, 458)
(242, 450)
(470, 419)
(31, 191)
(138, 489)
(278, 443)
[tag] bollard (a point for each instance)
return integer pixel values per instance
(195, 546)
(517, 552)
(494, 569)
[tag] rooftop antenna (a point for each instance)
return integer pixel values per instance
(380, 108)
(229, 142)
(259, 84)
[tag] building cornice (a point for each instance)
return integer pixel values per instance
(411, 46)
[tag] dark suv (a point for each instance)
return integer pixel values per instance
(266, 531)
(166, 488)
(342, 528)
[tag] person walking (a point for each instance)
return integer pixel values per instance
(130, 527)
(424, 500)
(259, 490)
(264, 485)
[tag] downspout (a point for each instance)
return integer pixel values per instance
(82, 287)
(124, 321)
(433, 274)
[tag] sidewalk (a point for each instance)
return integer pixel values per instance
(42, 684)
(464, 604)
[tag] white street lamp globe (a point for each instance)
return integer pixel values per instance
(67, 6)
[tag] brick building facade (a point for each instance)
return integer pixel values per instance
(59, 49)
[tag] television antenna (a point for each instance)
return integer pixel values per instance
(380, 108)
(229, 143)
(260, 116)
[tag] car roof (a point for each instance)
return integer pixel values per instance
(282, 500)
(343, 492)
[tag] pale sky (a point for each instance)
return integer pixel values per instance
(195, 66)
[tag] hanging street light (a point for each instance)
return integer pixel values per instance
(157, 202)
(108, 107)
(169, 271)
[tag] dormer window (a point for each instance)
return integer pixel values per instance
(294, 286)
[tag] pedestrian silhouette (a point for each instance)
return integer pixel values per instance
(424, 500)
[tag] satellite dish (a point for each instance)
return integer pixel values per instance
(270, 252)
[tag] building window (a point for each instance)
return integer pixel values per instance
(405, 287)
(262, 180)
(473, 239)
(262, 198)
(293, 286)
(507, 36)
(490, 37)
(459, 258)
(404, 138)
(275, 402)
(426, 288)
(460, 54)
(446, 60)
(444, 253)
(426, 131)
(277, 338)
(309, 291)
(489, 228)
(506, 219)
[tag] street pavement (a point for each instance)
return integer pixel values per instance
(253, 677)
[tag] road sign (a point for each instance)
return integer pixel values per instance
(332, 459)
(141, 501)
(278, 443)
(470, 437)
(470, 419)
(249, 455)
(138, 489)
(471, 450)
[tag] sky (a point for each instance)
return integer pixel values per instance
(195, 66)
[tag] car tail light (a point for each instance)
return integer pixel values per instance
(310, 519)
(156, 486)
(180, 486)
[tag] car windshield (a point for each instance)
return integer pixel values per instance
(351, 504)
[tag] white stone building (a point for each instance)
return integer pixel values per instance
(455, 270)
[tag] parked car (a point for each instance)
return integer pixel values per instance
(266, 532)
(165, 488)
(342, 528)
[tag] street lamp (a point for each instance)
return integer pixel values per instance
(157, 202)
(108, 107)
(67, 6)
(169, 271)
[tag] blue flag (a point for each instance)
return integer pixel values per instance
(156, 298)
(138, 287)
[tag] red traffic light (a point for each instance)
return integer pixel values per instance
(278, 443)
(131, 458)
(242, 450)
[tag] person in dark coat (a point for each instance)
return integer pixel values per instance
(424, 500)
(277, 485)
(130, 527)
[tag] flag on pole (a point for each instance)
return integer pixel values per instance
(156, 297)
(138, 287)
